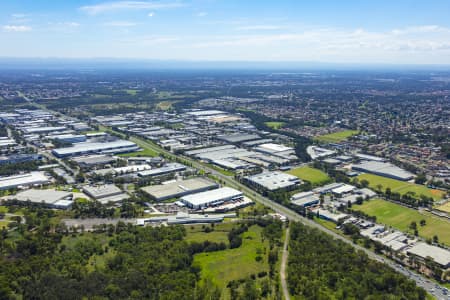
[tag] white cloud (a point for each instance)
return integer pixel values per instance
(128, 5)
(259, 27)
(16, 28)
(151, 14)
(120, 24)
(201, 14)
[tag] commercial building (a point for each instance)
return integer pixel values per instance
(423, 250)
(272, 181)
(22, 180)
(118, 146)
(383, 169)
(211, 198)
(184, 218)
(105, 193)
(167, 169)
(38, 130)
(179, 188)
(238, 137)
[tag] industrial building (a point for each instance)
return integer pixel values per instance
(167, 169)
(69, 138)
(18, 158)
(305, 199)
(118, 146)
(423, 250)
(211, 198)
(105, 193)
(50, 198)
(94, 160)
(184, 218)
(272, 181)
(383, 169)
(238, 137)
(179, 188)
(28, 179)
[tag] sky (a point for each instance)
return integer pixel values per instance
(336, 31)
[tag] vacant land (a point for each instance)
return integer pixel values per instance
(131, 92)
(337, 136)
(445, 207)
(196, 233)
(274, 125)
(315, 176)
(231, 264)
(401, 187)
(400, 217)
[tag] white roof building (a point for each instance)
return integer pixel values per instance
(423, 250)
(32, 178)
(273, 180)
(211, 198)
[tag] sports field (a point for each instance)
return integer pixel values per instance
(231, 264)
(337, 136)
(400, 217)
(274, 125)
(401, 187)
(315, 176)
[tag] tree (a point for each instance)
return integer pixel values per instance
(413, 225)
(435, 239)
(423, 222)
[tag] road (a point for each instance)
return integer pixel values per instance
(430, 287)
(283, 266)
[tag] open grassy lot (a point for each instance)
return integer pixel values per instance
(224, 266)
(401, 187)
(315, 176)
(131, 92)
(274, 125)
(400, 217)
(144, 152)
(196, 233)
(337, 136)
(445, 207)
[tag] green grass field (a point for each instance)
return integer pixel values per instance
(337, 136)
(165, 105)
(315, 176)
(400, 217)
(401, 187)
(131, 92)
(274, 125)
(231, 264)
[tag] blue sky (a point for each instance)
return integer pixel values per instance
(364, 31)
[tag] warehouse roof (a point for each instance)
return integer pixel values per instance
(383, 168)
(92, 147)
(182, 187)
(23, 179)
(39, 196)
(274, 180)
(238, 137)
(203, 198)
(102, 191)
(439, 255)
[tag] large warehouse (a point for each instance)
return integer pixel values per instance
(383, 169)
(51, 197)
(211, 198)
(118, 146)
(107, 193)
(272, 181)
(32, 178)
(179, 188)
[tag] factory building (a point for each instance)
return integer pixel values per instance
(28, 179)
(167, 169)
(18, 158)
(272, 181)
(383, 169)
(423, 250)
(118, 146)
(211, 198)
(305, 199)
(106, 193)
(49, 198)
(69, 138)
(179, 188)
